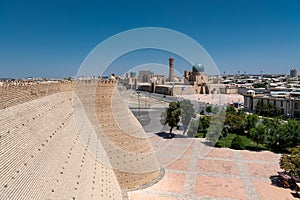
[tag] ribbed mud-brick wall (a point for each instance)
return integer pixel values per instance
(42, 155)
(13, 93)
(130, 151)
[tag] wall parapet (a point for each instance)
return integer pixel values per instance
(17, 92)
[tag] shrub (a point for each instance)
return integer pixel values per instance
(237, 143)
(218, 145)
(200, 135)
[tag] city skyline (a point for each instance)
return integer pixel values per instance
(52, 39)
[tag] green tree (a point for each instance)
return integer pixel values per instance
(224, 132)
(241, 113)
(237, 143)
(208, 109)
(258, 134)
(231, 110)
(250, 122)
(204, 123)
(267, 110)
(172, 115)
(235, 123)
(187, 112)
(293, 128)
(276, 136)
(259, 108)
(282, 135)
(234, 120)
(290, 163)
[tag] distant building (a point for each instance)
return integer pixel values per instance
(197, 78)
(293, 73)
(132, 74)
(145, 76)
(287, 102)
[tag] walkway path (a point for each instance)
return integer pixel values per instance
(194, 171)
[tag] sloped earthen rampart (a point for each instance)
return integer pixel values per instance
(56, 143)
(42, 155)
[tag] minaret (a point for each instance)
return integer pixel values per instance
(171, 69)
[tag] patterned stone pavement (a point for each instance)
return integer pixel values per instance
(194, 171)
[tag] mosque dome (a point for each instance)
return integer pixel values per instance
(198, 68)
(133, 72)
(151, 72)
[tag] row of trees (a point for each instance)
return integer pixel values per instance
(274, 133)
(233, 122)
(267, 110)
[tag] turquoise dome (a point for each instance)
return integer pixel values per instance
(151, 72)
(198, 68)
(132, 72)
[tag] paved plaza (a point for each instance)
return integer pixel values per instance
(195, 171)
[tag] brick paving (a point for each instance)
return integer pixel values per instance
(194, 171)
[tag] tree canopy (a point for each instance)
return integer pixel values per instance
(235, 120)
(266, 110)
(208, 109)
(172, 115)
(271, 132)
(250, 121)
(290, 163)
(276, 134)
(258, 134)
(237, 143)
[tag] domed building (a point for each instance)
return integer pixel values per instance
(132, 74)
(197, 78)
(198, 68)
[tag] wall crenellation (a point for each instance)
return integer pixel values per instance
(16, 92)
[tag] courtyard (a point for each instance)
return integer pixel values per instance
(196, 171)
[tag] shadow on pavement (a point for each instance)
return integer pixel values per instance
(166, 135)
(295, 195)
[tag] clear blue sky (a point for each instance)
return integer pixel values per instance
(51, 38)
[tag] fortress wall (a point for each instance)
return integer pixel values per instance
(42, 155)
(14, 93)
(65, 145)
(135, 163)
(123, 138)
(117, 121)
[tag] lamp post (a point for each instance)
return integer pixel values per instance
(145, 99)
(138, 92)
